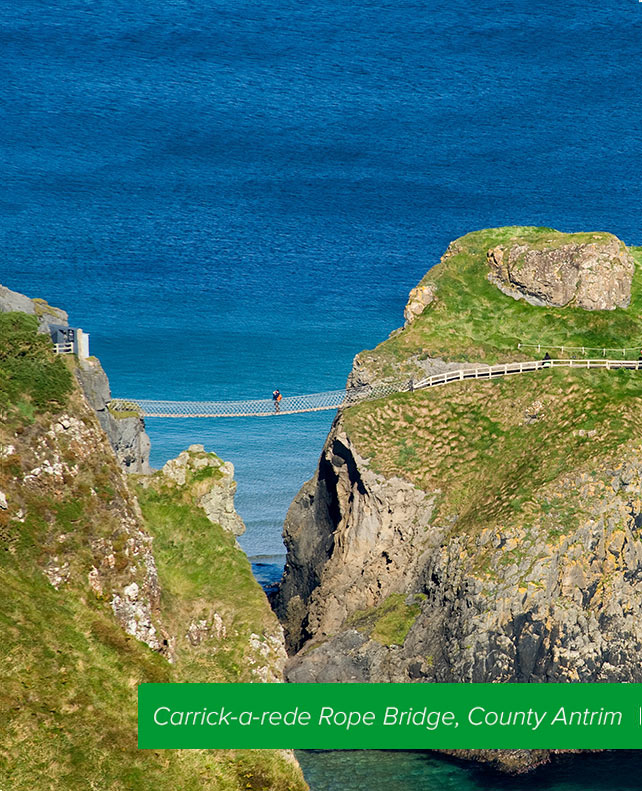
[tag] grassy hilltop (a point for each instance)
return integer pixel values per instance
(485, 530)
(471, 320)
(499, 452)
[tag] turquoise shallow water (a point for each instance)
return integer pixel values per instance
(395, 771)
(233, 197)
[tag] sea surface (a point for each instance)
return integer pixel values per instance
(233, 196)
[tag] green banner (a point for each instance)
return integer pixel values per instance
(390, 716)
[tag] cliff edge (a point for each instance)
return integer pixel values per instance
(112, 580)
(126, 432)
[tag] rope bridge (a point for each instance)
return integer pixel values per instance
(339, 399)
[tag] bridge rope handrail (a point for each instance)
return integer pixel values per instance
(336, 399)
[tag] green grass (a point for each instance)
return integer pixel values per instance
(32, 379)
(493, 451)
(390, 622)
(472, 320)
(127, 409)
(68, 670)
(202, 571)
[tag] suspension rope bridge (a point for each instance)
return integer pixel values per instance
(341, 399)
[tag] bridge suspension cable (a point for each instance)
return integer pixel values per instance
(340, 399)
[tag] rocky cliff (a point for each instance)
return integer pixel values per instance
(126, 432)
(486, 530)
(109, 581)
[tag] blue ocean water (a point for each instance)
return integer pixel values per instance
(237, 196)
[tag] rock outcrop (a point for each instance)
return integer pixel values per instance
(339, 529)
(418, 300)
(13, 301)
(209, 482)
(593, 275)
(126, 432)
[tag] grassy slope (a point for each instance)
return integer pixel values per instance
(202, 571)
(472, 320)
(499, 453)
(490, 447)
(68, 671)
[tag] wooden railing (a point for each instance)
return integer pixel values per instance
(337, 399)
(506, 369)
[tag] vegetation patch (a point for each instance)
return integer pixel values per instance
(495, 451)
(390, 622)
(125, 409)
(203, 572)
(33, 379)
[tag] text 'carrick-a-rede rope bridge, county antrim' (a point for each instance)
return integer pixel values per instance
(337, 399)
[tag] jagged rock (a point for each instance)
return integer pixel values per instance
(595, 275)
(342, 528)
(418, 300)
(126, 433)
(211, 485)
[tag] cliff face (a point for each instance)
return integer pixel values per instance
(481, 531)
(109, 581)
(126, 433)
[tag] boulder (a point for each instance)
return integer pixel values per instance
(593, 275)
(418, 300)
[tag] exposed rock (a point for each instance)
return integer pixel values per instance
(126, 433)
(47, 315)
(594, 275)
(418, 300)
(133, 608)
(269, 653)
(211, 484)
(342, 527)
(553, 599)
(205, 628)
(11, 301)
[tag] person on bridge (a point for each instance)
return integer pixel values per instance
(546, 362)
(277, 398)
